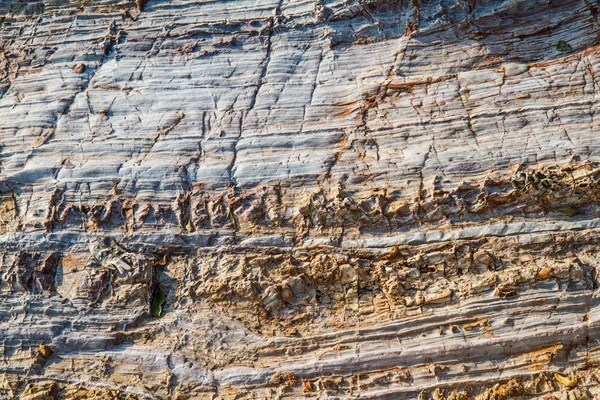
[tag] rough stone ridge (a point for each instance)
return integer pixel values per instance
(374, 199)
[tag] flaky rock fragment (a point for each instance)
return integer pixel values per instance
(289, 199)
(79, 68)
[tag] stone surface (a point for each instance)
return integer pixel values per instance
(338, 199)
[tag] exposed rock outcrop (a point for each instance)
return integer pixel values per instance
(289, 199)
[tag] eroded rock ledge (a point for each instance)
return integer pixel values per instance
(299, 199)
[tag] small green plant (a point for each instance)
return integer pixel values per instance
(158, 301)
(563, 46)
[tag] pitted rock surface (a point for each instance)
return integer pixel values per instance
(336, 198)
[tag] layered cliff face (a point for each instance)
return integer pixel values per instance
(299, 198)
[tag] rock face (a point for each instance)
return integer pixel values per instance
(299, 198)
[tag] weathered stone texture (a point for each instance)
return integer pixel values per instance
(336, 198)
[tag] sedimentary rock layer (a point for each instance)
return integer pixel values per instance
(289, 199)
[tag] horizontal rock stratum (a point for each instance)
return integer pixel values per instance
(266, 199)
